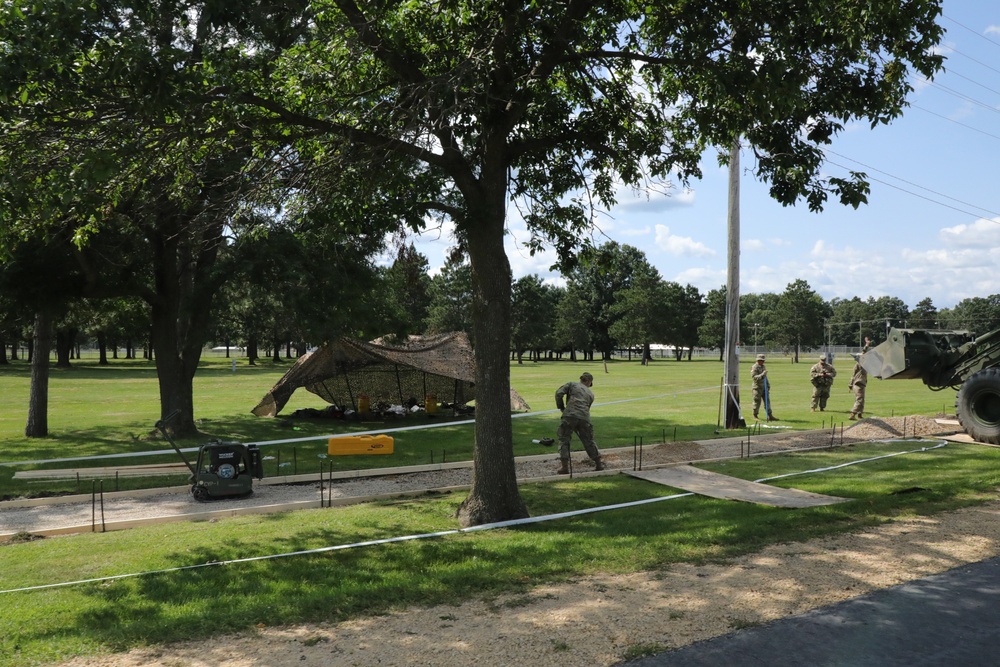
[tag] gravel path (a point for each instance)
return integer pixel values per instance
(123, 507)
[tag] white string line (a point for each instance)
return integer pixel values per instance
(265, 443)
(444, 533)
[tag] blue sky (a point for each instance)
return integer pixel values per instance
(931, 227)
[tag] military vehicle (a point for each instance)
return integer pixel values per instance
(947, 359)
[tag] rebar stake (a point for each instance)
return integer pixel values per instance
(321, 494)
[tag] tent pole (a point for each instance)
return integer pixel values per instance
(328, 393)
(399, 385)
(350, 392)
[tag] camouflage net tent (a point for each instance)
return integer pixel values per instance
(340, 372)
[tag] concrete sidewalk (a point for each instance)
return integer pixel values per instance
(950, 619)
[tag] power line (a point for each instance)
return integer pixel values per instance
(978, 62)
(916, 185)
(973, 81)
(952, 120)
(974, 32)
(955, 93)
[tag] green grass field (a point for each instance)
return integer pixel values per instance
(107, 410)
(96, 410)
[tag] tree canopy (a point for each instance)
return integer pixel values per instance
(417, 110)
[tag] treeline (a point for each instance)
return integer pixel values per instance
(276, 301)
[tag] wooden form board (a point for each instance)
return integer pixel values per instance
(714, 485)
(105, 472)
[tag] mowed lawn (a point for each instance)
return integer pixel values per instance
(111, 410)
(95, 410)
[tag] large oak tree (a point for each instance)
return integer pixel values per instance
(550, 104)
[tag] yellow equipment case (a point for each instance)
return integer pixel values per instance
(346, 445)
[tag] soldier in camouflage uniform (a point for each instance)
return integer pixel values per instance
(574, 400)
(859, 380)
(821, 375)
(758, 375)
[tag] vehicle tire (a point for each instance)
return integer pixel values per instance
(978, 406)
(200, 493)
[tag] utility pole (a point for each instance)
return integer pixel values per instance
(731, 378)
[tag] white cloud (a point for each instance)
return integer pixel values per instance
(980, 234)
(639, 231)
(993, 29)
(680, 245)
(656, 198)
(955, 270)
(702, 277)
(752, 244)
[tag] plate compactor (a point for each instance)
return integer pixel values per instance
(224, 469)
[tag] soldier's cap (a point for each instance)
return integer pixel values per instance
(760, 357)
(587, 376)
(823, 359)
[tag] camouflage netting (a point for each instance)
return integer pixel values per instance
(339, 372)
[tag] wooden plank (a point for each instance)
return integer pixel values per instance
(89, 473)
(714, 485)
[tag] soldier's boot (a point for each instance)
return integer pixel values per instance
(771, 418)
(851, 416)
(563, 467)
(755, 414)
(812, 409)
(598, 464)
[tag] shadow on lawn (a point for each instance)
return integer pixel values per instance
(333, 586)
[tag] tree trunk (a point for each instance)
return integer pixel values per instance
(180, 319)
(102, 347)
(38, 402)
(172, 371)
(494, 495)
(3, 352)
(252, 350)
(64, 347)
